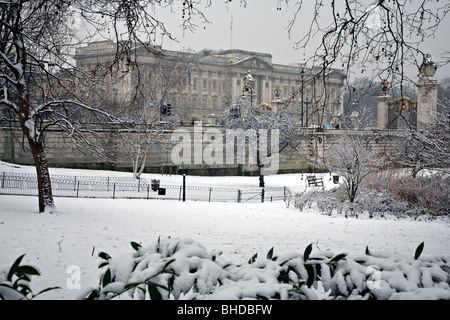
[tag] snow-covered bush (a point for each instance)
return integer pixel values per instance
(184, 269)
(15, 281)
(321, 198)
(426, 194)
(427, 200)
(169, 268)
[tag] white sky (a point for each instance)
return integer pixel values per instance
(261, 27)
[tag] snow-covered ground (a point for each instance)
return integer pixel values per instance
(84, 227)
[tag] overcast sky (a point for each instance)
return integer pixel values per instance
(261, 27)
(257, 27)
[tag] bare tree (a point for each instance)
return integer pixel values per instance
(428, 147)
(381, 39)
(444, 91)
(156, 111)
(352, 157)
(254, 120)
(39, 82)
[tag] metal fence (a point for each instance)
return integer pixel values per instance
(131, 188)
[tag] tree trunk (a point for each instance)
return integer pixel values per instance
(137, 173)
(46, 203)
(28, 124)
(260, 166)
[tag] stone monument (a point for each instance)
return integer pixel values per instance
(427, 90)
(382, 108)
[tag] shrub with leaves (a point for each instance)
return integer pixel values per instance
(167, 269)
(184, 269)
(15, 281)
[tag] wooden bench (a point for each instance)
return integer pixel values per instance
(314, 181)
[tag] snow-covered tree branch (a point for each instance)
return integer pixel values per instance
(380, 39)
(352, 157)
(41, 87)
(428, 147)
(242, 115)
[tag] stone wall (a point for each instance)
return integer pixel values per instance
(62, 153)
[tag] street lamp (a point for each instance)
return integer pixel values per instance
(248, 85)
(302, 74)
(277, 92)
(307, 103)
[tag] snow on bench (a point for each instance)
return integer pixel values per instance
(314, 181)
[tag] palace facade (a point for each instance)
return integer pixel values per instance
(204, 83)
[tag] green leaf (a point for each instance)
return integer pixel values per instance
(135, 245)
(28, 270)
(311, 274)
(338, 257)
(131, 286)
(253, 259)
(270, 254)
(419, 251)
(104, 255)
(153, 291)
(176, 248)
(106, 278)
(284, 262)
(307, 252)
(45, 290)
(14, 267)
(367, 251)
(167, 263)
(93, 295)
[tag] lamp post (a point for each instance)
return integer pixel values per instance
(277, 101)
(307, 102)
(248, 82)
(277, 92)
(302, 74)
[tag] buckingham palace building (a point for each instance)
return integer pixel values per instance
(204, 83)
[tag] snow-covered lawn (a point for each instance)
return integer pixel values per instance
(82, 228)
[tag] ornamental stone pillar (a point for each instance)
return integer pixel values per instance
(427, 90)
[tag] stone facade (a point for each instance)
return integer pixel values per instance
(212, 79)
(62, 153)
(203, 84)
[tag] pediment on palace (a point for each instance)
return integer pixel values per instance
(253, 62)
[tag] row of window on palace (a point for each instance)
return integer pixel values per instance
(215, 84)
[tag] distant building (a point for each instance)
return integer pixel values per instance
(203, 83)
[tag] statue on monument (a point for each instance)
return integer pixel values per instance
(427, 87)
(384, 87)
(428, 68)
